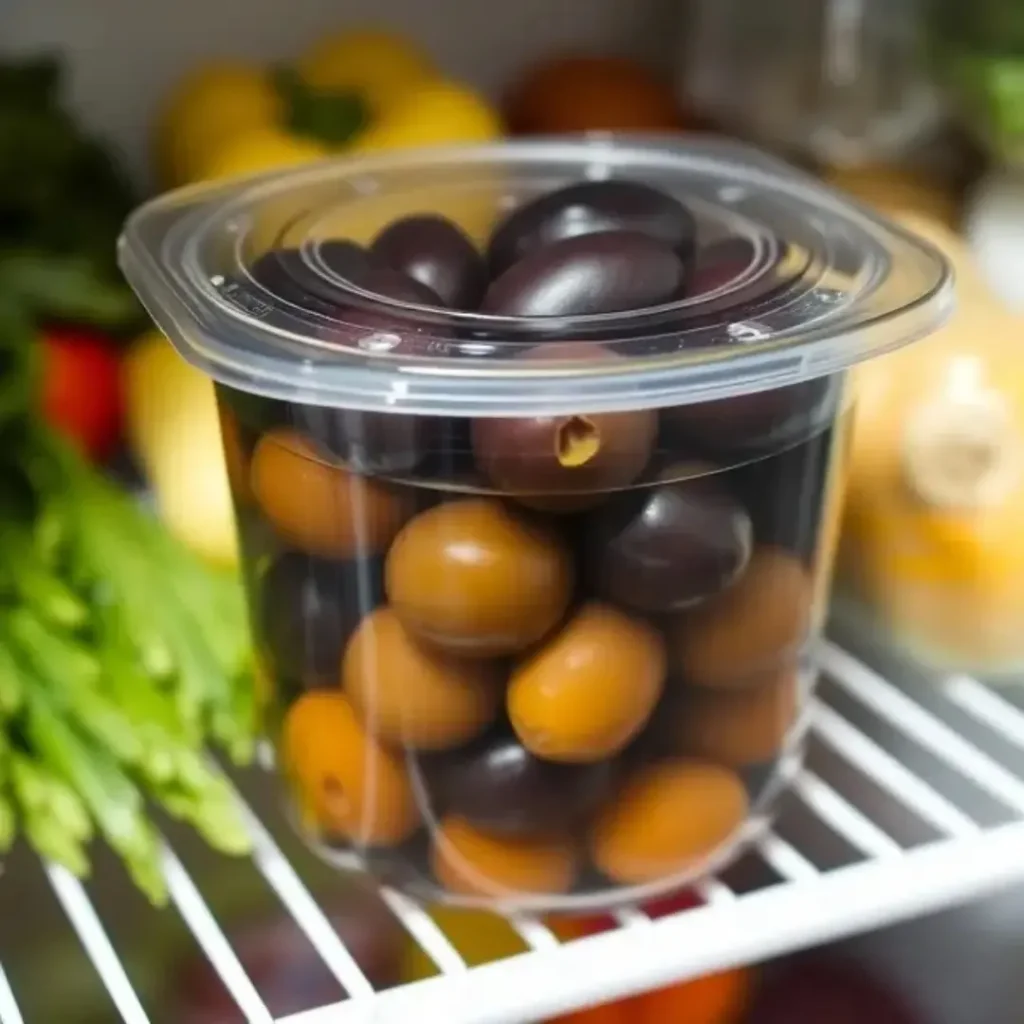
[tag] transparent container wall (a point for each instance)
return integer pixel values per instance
(840, 81)
(551, 700)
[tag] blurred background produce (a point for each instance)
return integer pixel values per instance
(817, 988)
(63, 197)
(931, 543)
(365, 90)
(121, 655)
(175, 433)
(582, 93)
(290, 974)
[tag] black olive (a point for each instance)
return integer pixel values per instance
(308, 609)
(368, 442)
(598, 273)
(289, 279)
(668, 548)
(588, 208)
(755, 423)
(497, 784)
(433, 251)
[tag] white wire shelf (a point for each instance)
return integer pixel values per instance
(911, 800)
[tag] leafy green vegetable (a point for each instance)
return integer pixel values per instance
(63, 199)
(54, 285)
(120, 655)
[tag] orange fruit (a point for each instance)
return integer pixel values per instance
(591, 93)
(714, 999)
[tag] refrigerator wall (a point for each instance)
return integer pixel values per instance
(126, 53)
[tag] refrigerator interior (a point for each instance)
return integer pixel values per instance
(961, 965)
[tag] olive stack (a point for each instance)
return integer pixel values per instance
(538, 659)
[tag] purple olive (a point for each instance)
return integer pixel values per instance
(291, 281)
(671, 547)
(498, 785)
(368, 271)
(605, 272)
(757, 422)
(395, 285)
(720, 263)
(346, 259)
(588, 208)
(564, 462)
(308, 610)
(368, 442)
(433, 251)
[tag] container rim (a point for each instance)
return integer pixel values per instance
(903, 290)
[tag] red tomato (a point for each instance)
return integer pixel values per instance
(81, 389)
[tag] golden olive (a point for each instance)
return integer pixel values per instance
(468, 862)
(321, 508)
(744, 727)
(590, 689)
(414, 696)
(351, 786)
(760, 623)
(478, 579)
(669, 818)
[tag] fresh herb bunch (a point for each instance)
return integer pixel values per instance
(63, 199)
(120, 655)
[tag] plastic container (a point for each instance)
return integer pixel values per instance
(845, 82)
(932, 553)
(535, 587)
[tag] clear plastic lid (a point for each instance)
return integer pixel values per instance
(258, 283)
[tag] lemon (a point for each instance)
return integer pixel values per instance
(210, 105)
(258, 150)
(434, 113)
(378, 65)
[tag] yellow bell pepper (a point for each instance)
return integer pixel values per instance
(363, 91)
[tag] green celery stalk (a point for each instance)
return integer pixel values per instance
(40, 790)
(51, 654)
(12, 684)
(33, 581)
(110, 796)
(54, 820)
(212, 809)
